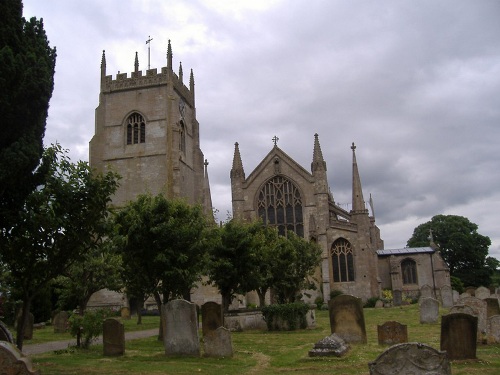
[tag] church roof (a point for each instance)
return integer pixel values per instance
(406, 250)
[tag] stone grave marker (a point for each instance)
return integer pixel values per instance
(397, 297)
(113, 337)
(426, 292)
(459, 335)
(180, 324)
(211, 317)
(379, 304)
(217, 343)
(479, 308)
(456, 296)
(462, 309)
(411, 358)
(482, 292)
(60, 322)
(470, 290)
(125, 313)
(347, 319)
(5, 334)
(330, 346)
(492, 306)
(12, 361)
(429, 310)
(446, 296)
(463, 295)
(493, 324)
(391, 333)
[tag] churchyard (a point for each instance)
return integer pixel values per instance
(259, 352)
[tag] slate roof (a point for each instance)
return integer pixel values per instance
(406, 250)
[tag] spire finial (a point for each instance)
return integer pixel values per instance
(180, 71)
(318, 162)
(136, 63)
(169, 56)
(358, 203)
(275, 140)
(237, 169)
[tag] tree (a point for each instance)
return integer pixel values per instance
(461, 246)
(162, 246)
(27, 66)
(57, 225)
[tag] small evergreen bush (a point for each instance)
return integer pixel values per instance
(294, 314)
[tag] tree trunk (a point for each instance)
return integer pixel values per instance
(23, 322)
(226, 301)
(262, 297)
(158, 304)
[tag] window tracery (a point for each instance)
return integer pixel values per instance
(136, 129)
(409, 271)
(342, 261)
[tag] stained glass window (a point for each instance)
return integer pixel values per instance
(342, 261)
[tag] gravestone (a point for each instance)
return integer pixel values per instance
(459, 335)
(379, 304)
(347, 319)
(462, 309)
(5, 334)
(470, 290)
(391, 333)
(211, 317)
(180, 324)
(397, 297)
(411, 358)
(492, 306)
(60, 322)
(446, 296)
(12, 361)
(429, 310)
(330, 346)
(482, 292)
(456, 296)
(479, 309)
(125, 313)
(463, 295)
(426, 292)
(113, 337)
(493, 325)
(217, 343)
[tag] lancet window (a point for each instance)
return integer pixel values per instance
(136, 129)
(409, 271)
(342, 261)
(280, 205)
(182, 137)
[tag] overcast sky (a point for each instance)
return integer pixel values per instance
(415, 84)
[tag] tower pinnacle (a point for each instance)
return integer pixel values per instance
(136, 63)
(318, 163)
(237, 169)
(169, 56)
(358, 203)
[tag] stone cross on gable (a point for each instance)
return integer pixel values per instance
(275, 140)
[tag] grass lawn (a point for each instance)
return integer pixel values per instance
(258, 352)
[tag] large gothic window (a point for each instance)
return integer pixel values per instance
(342, 261)
(136, 129)
(409, 271)
(280, 205)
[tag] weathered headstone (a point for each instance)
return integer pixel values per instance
(397, 297)
(330, 346)
(391, 333)
(180, 324)
(455, 295)
(379, 304)
(113, 337)
(411, 358)
(217, 343)
(464, 294)
(470, 290)
(492, 306)
(347, 319)
(211, 317)
(493, 325)
(5, 334)
(459, 335)
(446, 296)
(60, 322)
(479, 309)
(426, 292)
(12, 361)
(462, 309)
(482, 292)
(429, 310)
(125, 313)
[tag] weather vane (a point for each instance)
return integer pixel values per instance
(148, 42)
(275, 140)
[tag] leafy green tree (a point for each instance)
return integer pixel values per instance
(162, 246)
(27, 66)
(461, 246)
(58, 225)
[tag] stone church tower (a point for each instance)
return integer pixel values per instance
(285, 195)
(146, 130)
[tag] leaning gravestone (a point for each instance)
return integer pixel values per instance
(482, 292)
(492, 306)
(13, 362)
(429, 310)
(397, 297)
(211, 317)
(391, 333)
(459, 335)
(347, 319)
(411, 358)
(446, 296)
(479, 308)
(180, 324)
(60, 322)
(218, 344)
(113, 337)
(494, 329)
(5, 334)
(330, 346)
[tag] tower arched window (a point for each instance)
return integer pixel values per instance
(136, 129)
(409, 271)
(279, 205)
(342, 261)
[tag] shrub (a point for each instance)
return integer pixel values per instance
(88, 326)
(370, 302)
(292, 314)
(334, 293)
